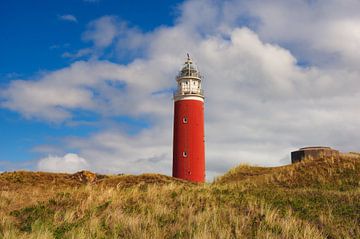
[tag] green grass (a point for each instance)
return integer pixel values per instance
(312, 199)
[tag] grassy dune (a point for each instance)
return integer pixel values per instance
(311, 199)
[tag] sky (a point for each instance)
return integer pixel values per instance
(87, 84)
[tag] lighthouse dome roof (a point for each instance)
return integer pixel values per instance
(189, 69)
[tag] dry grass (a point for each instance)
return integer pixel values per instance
(311, 199)
(330, 173)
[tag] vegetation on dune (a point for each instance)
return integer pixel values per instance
(311, 199)
(324, 173)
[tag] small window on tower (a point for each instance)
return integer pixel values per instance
(184, 154)
(185, 120)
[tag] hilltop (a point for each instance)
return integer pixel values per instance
(311, 199)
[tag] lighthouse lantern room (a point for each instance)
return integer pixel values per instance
(189, 141)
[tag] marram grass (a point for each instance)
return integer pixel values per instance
(312, 199)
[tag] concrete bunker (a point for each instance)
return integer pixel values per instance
(313, 152)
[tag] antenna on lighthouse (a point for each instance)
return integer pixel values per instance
(188, 56)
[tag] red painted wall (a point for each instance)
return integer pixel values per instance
(189, 138)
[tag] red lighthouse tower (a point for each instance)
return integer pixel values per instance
(189, 141)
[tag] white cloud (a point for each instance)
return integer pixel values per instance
(101, 31)
(260, 104)
(55, 94)
(80, 53)
(323, 33)
(109, 31)
(68, 17)
(69, 163)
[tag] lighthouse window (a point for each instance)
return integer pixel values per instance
(184, 154)
(185, 120)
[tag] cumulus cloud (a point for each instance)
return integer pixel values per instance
(101, 31)
(110, 31)
(118, 152)
(79, 83)
(322, 33)
(69, 163)
(261, 102)
(68, 17)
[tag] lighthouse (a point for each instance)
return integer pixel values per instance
(189, 138)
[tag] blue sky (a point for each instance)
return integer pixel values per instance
(88, 84)
(34, 37)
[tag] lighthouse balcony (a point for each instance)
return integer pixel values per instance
(195, 92)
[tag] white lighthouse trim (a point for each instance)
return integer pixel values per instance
(187, 97)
